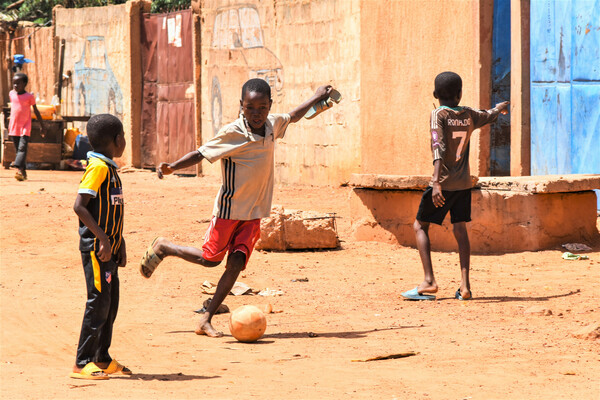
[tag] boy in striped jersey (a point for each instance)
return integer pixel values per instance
(450, 187)
(246, 150)
(99, 206)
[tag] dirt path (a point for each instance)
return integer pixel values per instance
(349, 309)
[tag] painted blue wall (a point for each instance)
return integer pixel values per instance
(565, 87)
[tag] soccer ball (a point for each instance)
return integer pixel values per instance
(247, 323)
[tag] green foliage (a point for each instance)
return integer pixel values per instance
(32, 10)
(163, 6)
(40, 11)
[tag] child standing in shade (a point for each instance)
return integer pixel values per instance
(246, 150)
(19, 126)
(99, 206)
(450, 188)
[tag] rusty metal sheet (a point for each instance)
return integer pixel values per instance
(168, 125)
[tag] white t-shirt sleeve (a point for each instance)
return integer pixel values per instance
(226, 143)
(280, 123)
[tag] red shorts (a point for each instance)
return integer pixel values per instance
(230, 235)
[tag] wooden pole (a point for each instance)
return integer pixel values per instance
(61, 60)
(520, 125)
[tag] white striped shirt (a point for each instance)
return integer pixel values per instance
(247, 168)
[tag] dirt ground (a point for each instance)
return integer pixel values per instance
(348, 310)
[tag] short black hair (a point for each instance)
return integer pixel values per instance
(256, 85)
(448, 86)
(22, 76)
(102, 129)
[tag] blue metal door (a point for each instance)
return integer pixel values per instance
(500, 130)
(565, 86)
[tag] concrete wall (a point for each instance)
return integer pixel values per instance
(503, 221)
(102, 56)
(310, 43)
(404, 45)
(381, 55)
(36, 44)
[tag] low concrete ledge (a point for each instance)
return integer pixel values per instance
(528, 184)
(541, 184)
(389, 182)
(510, 214)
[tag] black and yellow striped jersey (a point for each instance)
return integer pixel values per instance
(101, 181)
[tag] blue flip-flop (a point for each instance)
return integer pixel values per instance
(414, 294)
(457, 295)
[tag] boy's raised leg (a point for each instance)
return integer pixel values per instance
(464, 252)
(429, 284)
(235, 264)
(164, 248)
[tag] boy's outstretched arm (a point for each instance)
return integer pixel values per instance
(501, 108)
(190, 159)
(322, 93)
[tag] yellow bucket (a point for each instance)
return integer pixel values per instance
(47, 112)
(70, 136)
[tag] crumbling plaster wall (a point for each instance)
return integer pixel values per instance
(313, 43)
(503, 221)
(102, 54)
(403, 46)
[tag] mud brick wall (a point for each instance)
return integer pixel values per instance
(35, 43)
(102, 54)
(312, 43)
(403, 46)
(383, 56)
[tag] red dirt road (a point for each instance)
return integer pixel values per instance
(349, 309)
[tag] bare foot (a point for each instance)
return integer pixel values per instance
(427, 287)
(204, 327)
(465, 293)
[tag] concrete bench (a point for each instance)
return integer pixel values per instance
(509, 214)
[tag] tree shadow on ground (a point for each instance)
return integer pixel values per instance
(502, 299)
(299, 335)
(179, 376)
(339, 335)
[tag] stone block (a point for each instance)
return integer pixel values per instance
(590, 332)
(538, 310)
(297, 230)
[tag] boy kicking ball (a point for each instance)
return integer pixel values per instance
(450, 187)
(246, 150)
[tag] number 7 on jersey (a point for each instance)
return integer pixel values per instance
(463, 136)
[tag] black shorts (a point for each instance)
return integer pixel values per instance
(458, 202)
